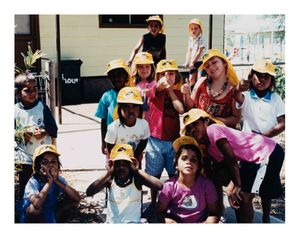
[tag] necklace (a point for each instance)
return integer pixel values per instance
(123, 183)
(216, 94)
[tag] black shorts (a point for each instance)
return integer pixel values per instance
(271, 186)
(196, 67)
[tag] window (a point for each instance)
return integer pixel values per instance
(123, 21)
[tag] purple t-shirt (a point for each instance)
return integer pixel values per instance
(247, 146)
(188, 204)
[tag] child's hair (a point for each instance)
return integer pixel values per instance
(197, 152)
(138, 79)
(22, 78)
(119, 71)
(37, 164)
(121, 118)
(272, 85)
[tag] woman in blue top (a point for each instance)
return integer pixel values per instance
(47, 194)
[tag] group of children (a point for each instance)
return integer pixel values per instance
(151, 113)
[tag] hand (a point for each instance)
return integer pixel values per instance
(39, 133)
(135, 164)
(109, 166)
(46, 172)
(243, 85)
(234, 195)
(186, 88)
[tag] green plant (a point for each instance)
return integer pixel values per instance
(280, 81)
(29, 59)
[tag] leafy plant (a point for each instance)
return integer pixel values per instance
(280, 81)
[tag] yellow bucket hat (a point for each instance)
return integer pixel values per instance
(197, 22)
(116, 64)
(193, 115)
(41, 150)
(156, 18)
(122, 152)
(143, 58)
(264, 66)
(165, 65)
(130, 95)
(231, 74)
(184, 140)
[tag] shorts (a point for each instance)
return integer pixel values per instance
(196, 67)
(159, 155)
(270, 186)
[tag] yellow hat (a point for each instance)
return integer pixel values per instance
(116, 64)
(165, 65)
(155, 18)
(197, 22)
(143, 58)
(41, 150)
(264, 66)
(122, 152)
(231, 74)
(194, 114)
(184, 140)
(130, 95)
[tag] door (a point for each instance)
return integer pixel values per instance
(26, 31)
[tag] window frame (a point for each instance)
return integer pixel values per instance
(124, 25)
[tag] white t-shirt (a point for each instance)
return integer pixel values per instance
(260, 114)
(116, 133)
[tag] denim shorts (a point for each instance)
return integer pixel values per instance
(159, 155)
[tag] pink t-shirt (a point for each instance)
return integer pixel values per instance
(188, 204)
(247, 146)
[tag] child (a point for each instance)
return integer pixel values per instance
(188, 197)
(34, 125)
(196, 49)
(119, 75)
(166, 103)
(124, 181)
(228, 146)
(153, 42)
(47, 195)
(144, 77)
(262, 109)
(130, 128)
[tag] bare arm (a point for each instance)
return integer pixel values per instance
(234, 119)
(71, 192)
(103, 134)
(276, 130)
(213, 211)
(37, 200)
(196, 57)
(135, 50)
(140, 148)
(161, 209)
(179, 107)
(102, 182)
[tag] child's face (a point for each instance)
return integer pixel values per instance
(188, 162)
(154, 27)
(215, 67)
(195, 30)
(122, 169)
(29, 93)
(118, 78)
(130, 113)
(197, 129)
(144, 70)
(261, 81)
(49, 162)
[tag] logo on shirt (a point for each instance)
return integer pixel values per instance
(189, 202)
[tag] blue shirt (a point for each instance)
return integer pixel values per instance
(106, 106)
(33, 187)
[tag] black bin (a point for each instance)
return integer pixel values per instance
(71, 89)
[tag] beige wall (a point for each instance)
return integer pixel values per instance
(81, 38)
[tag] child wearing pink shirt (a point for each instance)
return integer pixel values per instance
(228, 146)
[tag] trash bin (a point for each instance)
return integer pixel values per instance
(71, 90)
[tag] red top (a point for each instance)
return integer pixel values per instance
(214, 107)
(164, 121)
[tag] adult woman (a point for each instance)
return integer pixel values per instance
(214, 93)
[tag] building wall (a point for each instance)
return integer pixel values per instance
(81, 38)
